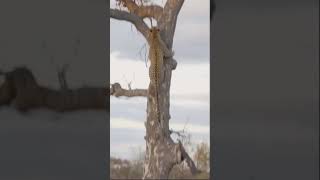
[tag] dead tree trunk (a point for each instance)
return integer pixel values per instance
(162, 153)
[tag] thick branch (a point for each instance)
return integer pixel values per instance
(189, 161)
(169, 19)
(142, 11)
(174, 6)
(132, 18)
(179, 133)
(173, 64)
(117, 91)
(22, 91)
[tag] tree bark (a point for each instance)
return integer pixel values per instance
(117, 91)
(162, 153)
(22, 91)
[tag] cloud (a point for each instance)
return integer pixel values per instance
(190, 90)
(125, 150)
(124, 123)
(130, 123)
(179, 113)
(186, 79)
(124, 70)
(126, 135)
(126, 39)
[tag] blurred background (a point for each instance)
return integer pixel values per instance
(44, 35)
(265, 83)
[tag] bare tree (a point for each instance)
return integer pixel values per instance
(162, 153)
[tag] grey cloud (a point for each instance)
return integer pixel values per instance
(125, 39)
(133, 139)
(128, 136)
(179, 114)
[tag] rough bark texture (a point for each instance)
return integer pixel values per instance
(162, 153)
(117, 91)
(21, 90)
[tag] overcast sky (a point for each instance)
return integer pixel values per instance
(190, 81)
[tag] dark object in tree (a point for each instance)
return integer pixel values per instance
(21, 90)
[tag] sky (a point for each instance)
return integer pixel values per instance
(190, 87)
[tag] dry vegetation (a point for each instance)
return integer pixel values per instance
(125, 169)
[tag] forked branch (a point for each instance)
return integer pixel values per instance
(173, 6)
(189, 161)
(169, 20)
(141, 10)
(132, 18)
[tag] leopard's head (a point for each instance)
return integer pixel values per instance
(154, 32)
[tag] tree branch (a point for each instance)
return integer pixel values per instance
(116, 90)
(178, 133)
(174, 6)
(135, 18)
(169, 19)
(189, 161)
(173, 64)
(132, 18)
(143, 11)
(21, 91)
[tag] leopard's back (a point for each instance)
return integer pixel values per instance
(155, 56)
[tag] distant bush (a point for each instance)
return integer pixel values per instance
(125, 169)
